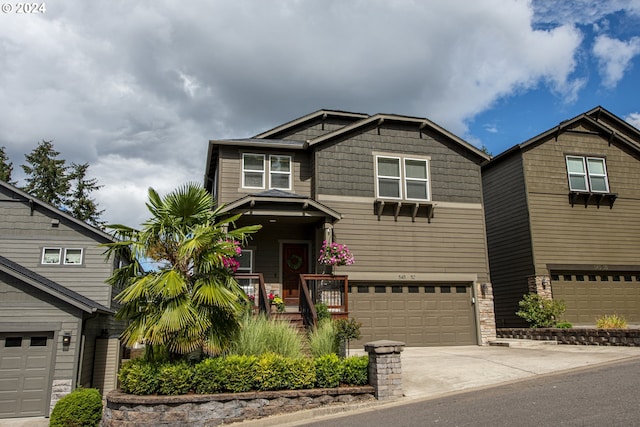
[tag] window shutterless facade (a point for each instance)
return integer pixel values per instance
(253, 170)
(246, 261)
(51, 255)
(66, 256)
(587, 174)
(402, 178)
(73, 256)
(256, 169)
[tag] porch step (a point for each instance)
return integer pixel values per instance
(295, 318)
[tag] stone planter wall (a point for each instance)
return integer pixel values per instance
(195, 410)
(576, 336)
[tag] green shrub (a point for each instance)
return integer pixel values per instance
(258, 336)
(328, 371)
(611, 321)
(139, 377)
(239, 373)
(540, 312)
(275, 372)
(175, 378)
(80, 408)
(564, 325)
(322, 312)
(324, 339)
(208, 376)
(356, 370)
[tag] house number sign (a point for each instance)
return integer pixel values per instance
(407, 276)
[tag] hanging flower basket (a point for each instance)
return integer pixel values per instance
(335, 254)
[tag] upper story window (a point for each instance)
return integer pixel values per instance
(66, 256)
(280, 172)
(255, 170)
(402, 178)
(587, 174)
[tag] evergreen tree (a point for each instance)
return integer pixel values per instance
(6, 167)
(46, 175)
(79, 202)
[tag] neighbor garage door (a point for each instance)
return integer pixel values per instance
(418, 315)
(593, 294)
(25, 360)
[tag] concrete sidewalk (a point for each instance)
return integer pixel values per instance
(430, 372)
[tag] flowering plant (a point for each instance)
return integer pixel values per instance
(274, 299)
(335, 254)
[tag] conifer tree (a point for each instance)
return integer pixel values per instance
(46, 175)
(6, 167)
(80, 204)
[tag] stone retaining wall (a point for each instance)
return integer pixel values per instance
(195, 410)
(576, 336)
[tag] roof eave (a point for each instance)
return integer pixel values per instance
(309, 117)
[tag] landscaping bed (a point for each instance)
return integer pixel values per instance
(575, 336)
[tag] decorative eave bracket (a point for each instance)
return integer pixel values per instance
(588, 197)
(413, 206)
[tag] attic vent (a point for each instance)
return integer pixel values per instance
(55, 223)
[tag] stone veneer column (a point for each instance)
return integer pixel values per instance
(540, 285)
(59, 389)
(486, 313)
(385, 370)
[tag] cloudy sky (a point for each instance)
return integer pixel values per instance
(136, 89)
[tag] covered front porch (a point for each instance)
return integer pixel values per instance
(281, 259)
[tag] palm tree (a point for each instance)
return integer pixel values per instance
(190, 299)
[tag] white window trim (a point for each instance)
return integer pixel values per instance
(586, 176)
(398, 178)
(246, 252)
(289, 174)
(402, 179)
(44, 250)
(263, 171)
(73, 263)
(425, 180)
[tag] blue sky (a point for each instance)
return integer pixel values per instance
(136, 89)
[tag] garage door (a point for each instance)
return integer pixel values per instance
(591, 295)
(25, 360)
(418, 315)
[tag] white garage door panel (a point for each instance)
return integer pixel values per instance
(25, 360)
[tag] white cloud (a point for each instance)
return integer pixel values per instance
(614, 57)
(633, 119)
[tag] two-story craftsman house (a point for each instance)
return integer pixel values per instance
(405, 196)
(56, 314)
(562, 219)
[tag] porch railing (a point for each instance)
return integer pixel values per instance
(253, 284)
(331, 290)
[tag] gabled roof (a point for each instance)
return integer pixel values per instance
(420, 123)
(50, 287)
(590, 118)
(281, 197)
(262, 143)
(311, 117)
(28, 198)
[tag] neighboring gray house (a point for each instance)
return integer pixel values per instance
(562, 219)
(56, 311)
(403, 193)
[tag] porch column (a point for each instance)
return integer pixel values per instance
(328, 232)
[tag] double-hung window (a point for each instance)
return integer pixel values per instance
(246, 261)
(402, 178)
(253, 169)
(256, 170)
(587, 174)
(280, 172)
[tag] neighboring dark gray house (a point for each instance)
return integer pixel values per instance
(562, 219)
(56, 313)
(404, 194)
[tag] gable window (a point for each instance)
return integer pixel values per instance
(395, 175)
(416, 180)
(280, 172)
(388, 177)
(51, 255)
(253, 169)
(587, 174)
(73, 256)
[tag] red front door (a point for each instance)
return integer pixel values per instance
(295, 261)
